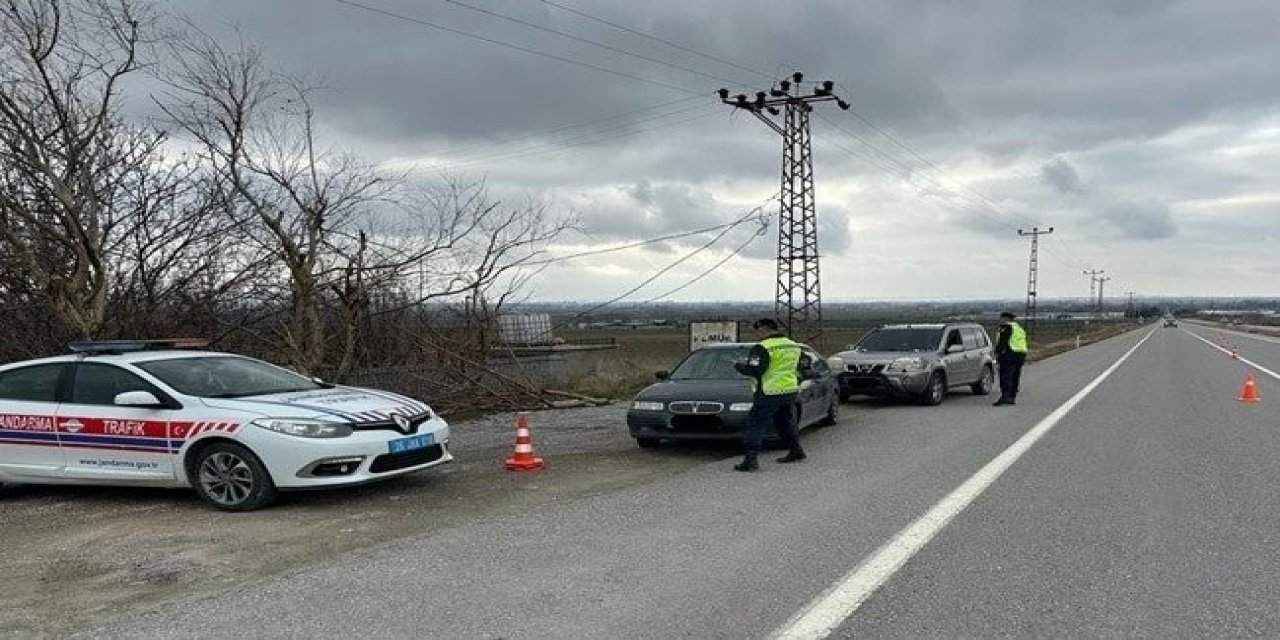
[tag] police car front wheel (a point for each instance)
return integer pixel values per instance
(229, 477)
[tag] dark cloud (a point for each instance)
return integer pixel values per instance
(1139, 220)
(1060, 175)
(1123, 123)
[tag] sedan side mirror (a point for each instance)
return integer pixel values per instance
(662, 375)
(955, 348)
(143, 399)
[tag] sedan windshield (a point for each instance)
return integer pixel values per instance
(900, 340)
(226, 377)
(711, 364)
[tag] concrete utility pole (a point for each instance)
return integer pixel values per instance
(1029, 314)
(1102, 283)
(798, 299)
(1093, 285)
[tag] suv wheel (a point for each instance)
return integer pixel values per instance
(648, 443)
(983, 386)
(935, 391)
(229, 477)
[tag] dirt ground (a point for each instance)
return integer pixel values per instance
(74, 556)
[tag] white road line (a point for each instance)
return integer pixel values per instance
(1240, 334)
(830, 609)
(1238, 357)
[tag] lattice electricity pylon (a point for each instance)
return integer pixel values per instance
(798, 295)
(1093, 286)
(1033, 270)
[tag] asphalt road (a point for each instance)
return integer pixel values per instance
(1147, 510)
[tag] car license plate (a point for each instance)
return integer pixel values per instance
(401, 445)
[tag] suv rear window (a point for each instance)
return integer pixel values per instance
(900, 340)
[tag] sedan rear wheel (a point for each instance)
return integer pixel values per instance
(833, 414)
(229, 477)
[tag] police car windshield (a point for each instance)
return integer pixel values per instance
(226, 377)
(711, 364)
(901, 340)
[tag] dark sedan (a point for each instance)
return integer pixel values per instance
(705, 398)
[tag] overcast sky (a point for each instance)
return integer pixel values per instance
(1146, 133)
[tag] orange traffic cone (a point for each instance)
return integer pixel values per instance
(1250, 391)
(523, 458)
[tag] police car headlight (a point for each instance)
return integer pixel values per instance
(908, 364)
(643, 405)
(304, 428)
(740, 406)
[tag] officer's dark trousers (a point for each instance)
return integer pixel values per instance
(1011, 374)
(770, 410)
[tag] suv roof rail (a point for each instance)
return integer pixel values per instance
(90, 347)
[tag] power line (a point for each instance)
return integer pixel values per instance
(675, 236)
(642, 34)
(551, 56)
(977, 200)
(576, 141)
(570, 36)
(549, 132)
(913, 153)
(753, 213)
(764, 227)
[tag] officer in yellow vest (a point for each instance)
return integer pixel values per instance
(1011, 354)
(774, 363)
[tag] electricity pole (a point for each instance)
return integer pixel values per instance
(1102, 283)
(1129, 310)
(798, 299)
(1093, 285)
(1030, 312)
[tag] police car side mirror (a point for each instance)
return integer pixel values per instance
(138, 399)
(662, 375)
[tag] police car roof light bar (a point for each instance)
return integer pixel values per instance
(122, 346)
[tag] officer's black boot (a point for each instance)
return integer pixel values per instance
(796, 454)
(749, 463)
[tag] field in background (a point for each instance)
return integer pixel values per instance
(643, 351)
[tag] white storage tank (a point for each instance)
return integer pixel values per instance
(525, 328)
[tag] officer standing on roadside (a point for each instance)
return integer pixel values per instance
(774, 363)
(1011, 354)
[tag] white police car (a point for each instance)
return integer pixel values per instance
(234, 428)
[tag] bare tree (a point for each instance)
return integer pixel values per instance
(336, 226)
(72, 171)
(297, 201)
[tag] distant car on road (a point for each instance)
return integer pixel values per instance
(706, 398)
(1170, 321)
(920, 361)
(237, 430)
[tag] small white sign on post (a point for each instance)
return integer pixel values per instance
(702, 334)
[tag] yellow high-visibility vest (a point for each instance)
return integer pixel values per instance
(1017, 338)
(783, 375)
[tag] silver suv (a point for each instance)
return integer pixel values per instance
(919, 361)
